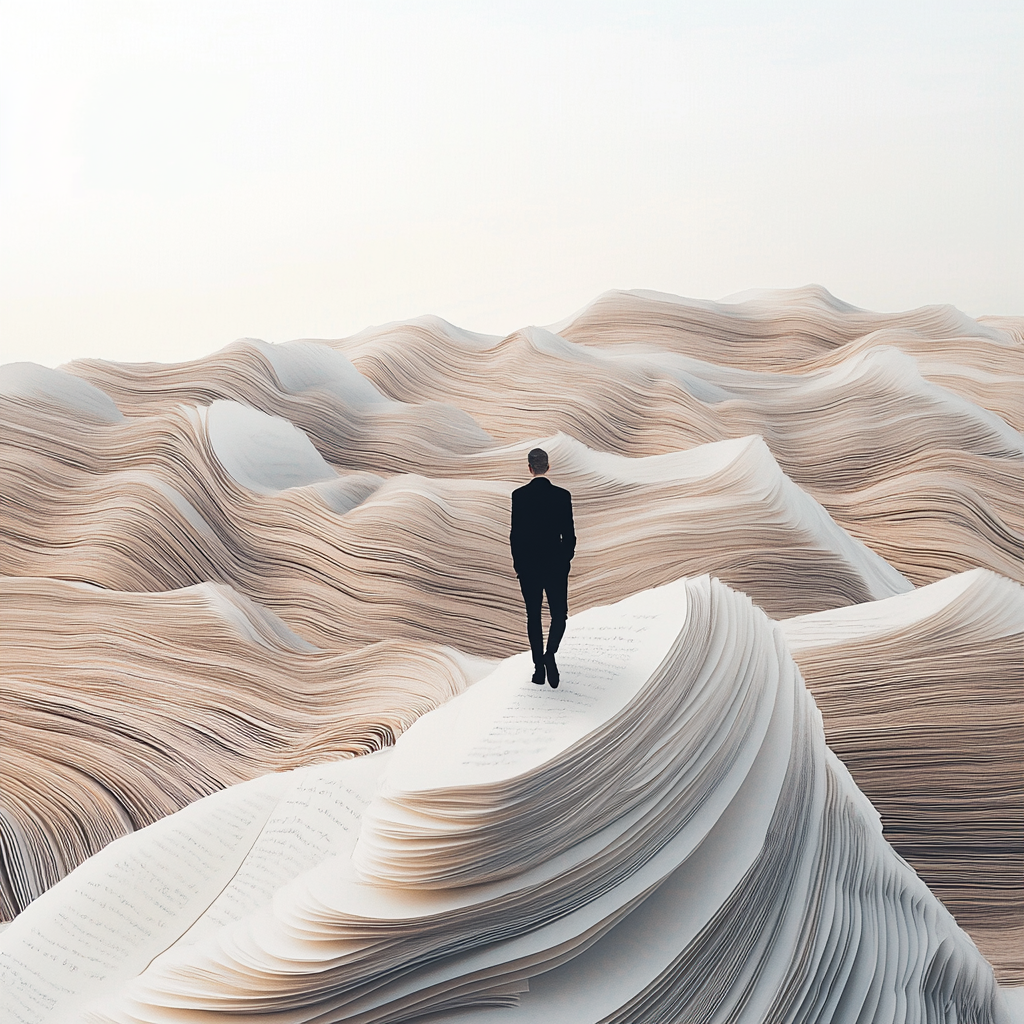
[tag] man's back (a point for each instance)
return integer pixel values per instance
(542, 538)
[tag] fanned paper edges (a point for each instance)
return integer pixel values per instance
(682, 793)
(280, 555)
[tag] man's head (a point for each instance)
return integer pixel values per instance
(538, 459)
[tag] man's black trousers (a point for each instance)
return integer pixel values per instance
(556, 585)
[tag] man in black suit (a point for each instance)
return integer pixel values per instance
(543, 543)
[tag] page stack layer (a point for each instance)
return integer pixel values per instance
(921, 697)
(665, 837)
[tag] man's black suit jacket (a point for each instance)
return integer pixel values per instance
(543, 539)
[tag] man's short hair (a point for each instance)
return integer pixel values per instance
(538, 459)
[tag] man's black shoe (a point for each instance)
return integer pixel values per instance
(549, 661)
(538, 675)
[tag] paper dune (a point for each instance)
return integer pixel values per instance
(723, 818)
(224, 581)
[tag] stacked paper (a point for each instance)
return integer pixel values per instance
(666, 835)
(281, 555)
(247, 608)
(921, 696)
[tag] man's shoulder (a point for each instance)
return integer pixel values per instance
(543, 494)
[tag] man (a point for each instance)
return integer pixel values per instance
(543, 543)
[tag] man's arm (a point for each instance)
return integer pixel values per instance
(514, 539)
(568, 530)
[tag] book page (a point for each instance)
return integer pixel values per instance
(318, 817)
(104, 922)
(164, 888)
(505, 725)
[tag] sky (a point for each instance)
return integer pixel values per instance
(176, 175)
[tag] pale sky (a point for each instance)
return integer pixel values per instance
(175, 175)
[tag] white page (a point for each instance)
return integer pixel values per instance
(854, 623)
(318, 817)
(505, 726)
(105, 921)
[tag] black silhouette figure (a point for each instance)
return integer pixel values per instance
(543, 543)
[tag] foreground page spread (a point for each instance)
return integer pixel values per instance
(666, 831)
